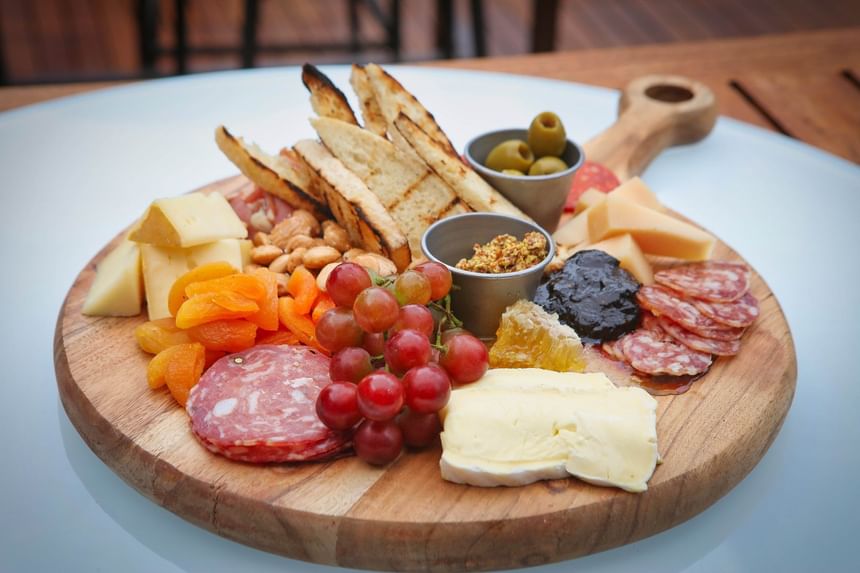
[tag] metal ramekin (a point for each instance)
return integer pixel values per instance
(541, 197)
(480, 299)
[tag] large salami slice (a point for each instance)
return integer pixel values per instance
(259, 405)
(714, 281)
(651, 353)
(738, 314)
(664, 302)
(700, 343)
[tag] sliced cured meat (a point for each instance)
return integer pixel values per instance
(665, 302)
(727, 333)
(590, 176)
(260, 406)
(650, 322)
(650, 353)
(714, 281)
(612, 348)
(700, 343)
(738, 314)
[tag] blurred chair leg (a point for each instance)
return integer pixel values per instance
(444, 28)
(543, 25)
(181, 33)
(249, 33)
(478, 31)
(354, 27)
(394, 30)
(147, 30)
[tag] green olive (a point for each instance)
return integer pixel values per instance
(547, 166)
(546, 135)
(516, 172)
(510, 154)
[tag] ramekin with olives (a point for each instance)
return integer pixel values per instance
(532, 167)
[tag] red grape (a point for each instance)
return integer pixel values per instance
(374, 343)
(439, 277)
(407, 349)
(350, 364)
(345, 282)
(380, 396)
(378, 443)
(412, 287)
(465, 358)
(337, 406)
(427, 388)
(447, 334)
(419, 430)
(338, 329)
(375, 309)
(414, 317)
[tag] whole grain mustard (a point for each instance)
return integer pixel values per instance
(506, 254)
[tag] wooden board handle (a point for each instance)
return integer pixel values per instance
(655, 112)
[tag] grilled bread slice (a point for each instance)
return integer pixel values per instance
(413, 195)
(279, 175)
(326, 99)
(394, 99)
(370, 112)
(473, 190)
(353, 205)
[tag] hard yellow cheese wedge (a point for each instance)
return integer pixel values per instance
(188, 221)
(633, 190)
(628, 253)
(163, 265)
(117, 288)
(656, 233)
(517, 426)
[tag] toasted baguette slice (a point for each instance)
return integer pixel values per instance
(394, 99)
(278, 175)
(370, 112)
(473, 190)
(357, 209)
(413, 195)
(326, 99)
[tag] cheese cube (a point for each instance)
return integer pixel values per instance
(163, 265)
(574, 231)
(625, 249)
(188, 220)
(635, 191)
(589, 198)
(117, 289)
(656, 233)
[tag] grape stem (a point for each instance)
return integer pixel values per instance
(447, 317)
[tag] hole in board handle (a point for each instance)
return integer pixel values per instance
(668, 93)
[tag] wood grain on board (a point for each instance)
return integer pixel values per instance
(404, 516)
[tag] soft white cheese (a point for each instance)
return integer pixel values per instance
(518, 426)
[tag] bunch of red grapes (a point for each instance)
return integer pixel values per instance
(393, 361)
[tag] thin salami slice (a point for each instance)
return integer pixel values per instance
(590, 176)
(665, 302)
(650, 353)
(738, 314)
(650, 322)
(612, 348)
(725, 333)
(259, 406)
(700, 343)
(714, 281)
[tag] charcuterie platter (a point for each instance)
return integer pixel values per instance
(402, 515)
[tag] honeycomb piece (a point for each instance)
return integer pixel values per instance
(530, 337)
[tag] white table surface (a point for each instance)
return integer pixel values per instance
(75, 171)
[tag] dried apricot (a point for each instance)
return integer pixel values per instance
(246, 285)
(213, 356)
(154, 336)
(197, 274)
(324, 303)
(228, 335)
(304, 290)
(211, 306)
(298, 324)
(277, 337)
(184, 369)
(267, 317)
(157, 367)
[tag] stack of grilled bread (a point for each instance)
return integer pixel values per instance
(386, 181)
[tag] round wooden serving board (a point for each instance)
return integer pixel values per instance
(404, 516)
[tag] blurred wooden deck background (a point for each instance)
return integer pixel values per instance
(62, 40)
